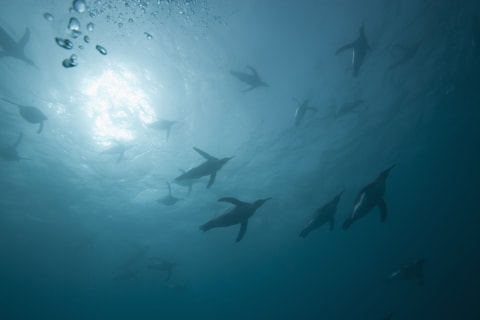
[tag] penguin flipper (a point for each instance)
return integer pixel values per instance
(255, 73)
(383, 209)
(40, 128)
(204, 154)
(243, 228)
(345, 47)
(212, 179)
(231, 200)
(23, 42)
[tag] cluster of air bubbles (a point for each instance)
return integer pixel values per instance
(70, 62)
(64, 43)
(74, 27)
(74, 31)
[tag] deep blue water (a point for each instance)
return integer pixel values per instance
(81, 228)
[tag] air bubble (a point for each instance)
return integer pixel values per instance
(90, 27)
(74, 24)
(70, 62)
(101, 49)
(48, 16)
(64, 43)
(148, 35)
(79, 6)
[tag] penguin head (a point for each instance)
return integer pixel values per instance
(225, 160)
(260, 202)
(384, 173)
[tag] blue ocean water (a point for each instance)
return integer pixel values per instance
(87, 233)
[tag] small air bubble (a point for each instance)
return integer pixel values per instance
(86, 39)
(48, 16)
(64, 43)
(79, 6)
(148, 35)
(74, 24)
(101, 49)
(70, 62)
(90, 27)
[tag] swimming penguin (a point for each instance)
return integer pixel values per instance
(10, 48)
(163, 266)
(360, 48)
(207, 168)
(169, 200)
(188, 183)
(237, 215)
(9, 153)
(368, 198)
(301, 110)
(323, 215)
(411, 271)
(30, 114)
(253, 80)
(119, 149)
(163, 125)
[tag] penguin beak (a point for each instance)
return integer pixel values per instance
(386, 172)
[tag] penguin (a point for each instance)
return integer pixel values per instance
(360, 48)
(410, 271)
(163, 125)
(323, 215)
(163, 266)
(301, 110)
(369, 197)
(187, 183)
(253, 80)
(208, 168)
(9, 153)
(169, 200)
(30, 114)
(119, 149)
(237, 215)
(10, 48)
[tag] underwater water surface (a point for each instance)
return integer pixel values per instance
(202, 159)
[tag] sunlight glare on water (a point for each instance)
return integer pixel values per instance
(117, 105)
